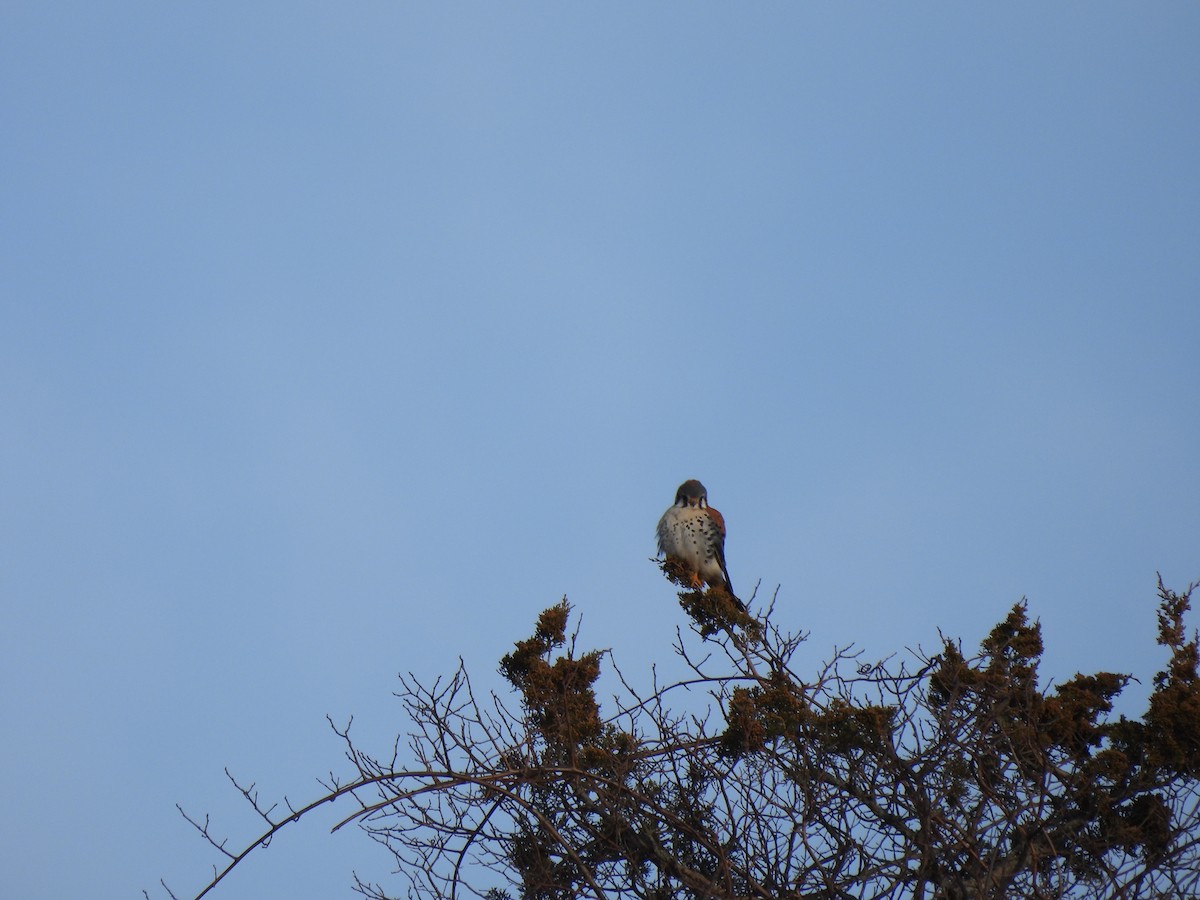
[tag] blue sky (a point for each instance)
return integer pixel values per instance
(338, 340)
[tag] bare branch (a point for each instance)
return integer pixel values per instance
(927, 775)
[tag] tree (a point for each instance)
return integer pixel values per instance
(942, 775)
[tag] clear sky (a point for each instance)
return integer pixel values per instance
(337, 340)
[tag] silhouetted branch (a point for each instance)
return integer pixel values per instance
(936, 775)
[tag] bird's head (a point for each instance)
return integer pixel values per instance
(691, 493)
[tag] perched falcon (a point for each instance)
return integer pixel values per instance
(693, 534)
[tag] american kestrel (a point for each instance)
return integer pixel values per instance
(692, 533)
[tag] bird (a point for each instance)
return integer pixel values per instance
(692, 534)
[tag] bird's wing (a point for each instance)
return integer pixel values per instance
(664, 531)
(719, 521)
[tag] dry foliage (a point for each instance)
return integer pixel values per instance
(946, 775)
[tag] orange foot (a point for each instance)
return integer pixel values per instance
(679, 572)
